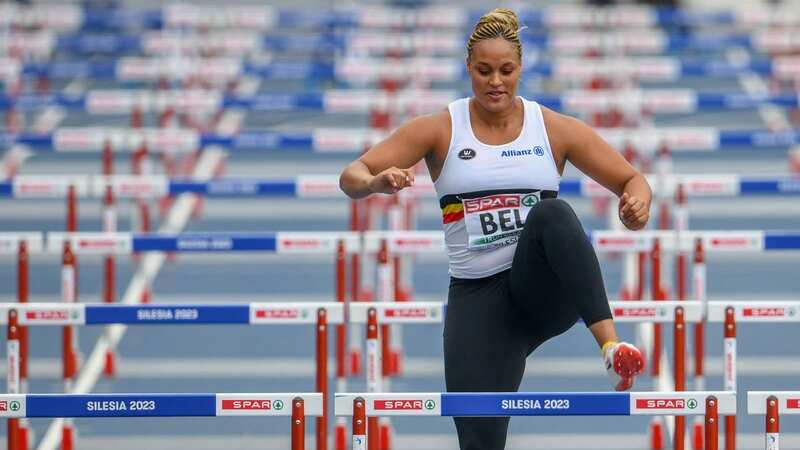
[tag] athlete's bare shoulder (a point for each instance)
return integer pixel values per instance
(432, 130)
(430, 123)
(562, 131)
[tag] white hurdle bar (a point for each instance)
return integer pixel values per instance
(365, 406)
(320, 313)
(294, 405)
(327, 186)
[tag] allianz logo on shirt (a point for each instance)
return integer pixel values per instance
(538, 151)
(468, 153)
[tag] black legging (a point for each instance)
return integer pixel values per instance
(494, 323)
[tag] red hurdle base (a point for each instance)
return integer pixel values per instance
(340, 435)
(109, 368)
(67, 438)
(385, 436)
(656, 435)
(355, 362)
(24, 438)
(13, 434)
(697, 436)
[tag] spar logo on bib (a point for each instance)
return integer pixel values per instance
(530, 200)
(496, 220)
(6, 406)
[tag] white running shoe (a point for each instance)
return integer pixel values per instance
(623, 363)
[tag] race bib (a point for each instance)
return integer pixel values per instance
(496, 220)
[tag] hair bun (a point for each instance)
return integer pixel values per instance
(498, 23)
(501, 16)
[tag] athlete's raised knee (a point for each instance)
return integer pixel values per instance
(551, 212)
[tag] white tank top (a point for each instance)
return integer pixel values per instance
(485, 191)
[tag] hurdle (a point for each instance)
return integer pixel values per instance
(298, 406)
(327, 186)
(379, 314)
(319, 314)
(362, 406)
(733, 313)
(22, 245)
(657, 313)
(407, 241)
(87, 139)
(773, 404)
(219, 69)
(72, 314)
(229, 42)
(702, 242)
(377, 317)
(121, 101)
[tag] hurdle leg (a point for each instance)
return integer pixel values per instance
(322, 379)
(340, 437)
(22, 297)
(298, 424)
(67, 435)
(12, 375)
(373, 369)
(109, 226)
(359, 424)
(712, 423)
(386, 290)
(340, 430)
(729, 373)
(657, 425)
(384, 431)
(772, 437)
(354, 350)
(13, 434)
(699, 289)
(680, 373)
(629, 275)
(68, 338)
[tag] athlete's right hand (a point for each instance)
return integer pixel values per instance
(391, 180)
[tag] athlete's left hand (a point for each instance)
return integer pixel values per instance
(633, 212)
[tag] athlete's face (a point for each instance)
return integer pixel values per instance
(494, 68)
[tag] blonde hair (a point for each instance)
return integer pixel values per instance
(498, 23)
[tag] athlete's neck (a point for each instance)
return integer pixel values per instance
(498, 120)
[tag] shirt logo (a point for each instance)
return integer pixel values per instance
(512, 153)
(492, 202)
(538, 151)
(467, 153)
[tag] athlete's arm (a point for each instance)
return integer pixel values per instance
(574, 141)
(386, 167)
